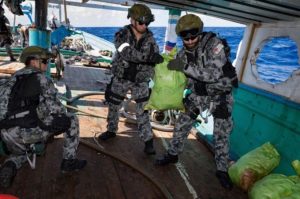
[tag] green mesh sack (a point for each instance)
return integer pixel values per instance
(295, 192)
(254, 165)
(273, 186)
(167, 92)
(296, 166)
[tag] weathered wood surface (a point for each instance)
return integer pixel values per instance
(105, 177)
(8, 67)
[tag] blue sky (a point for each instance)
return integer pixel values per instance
(89, 17)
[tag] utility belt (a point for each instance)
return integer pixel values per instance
(23, 119)
(117, 99)
(19, 115)
(29, 119)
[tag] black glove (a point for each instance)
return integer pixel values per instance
(176, 64)
(190, 57)
(192, 110)
(156, 58)
(200, 88)
(229, 71)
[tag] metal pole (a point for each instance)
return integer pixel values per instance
(59, 9)
(41, 12)
(14, 25)
(65, 10)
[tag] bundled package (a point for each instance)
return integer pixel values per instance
(169, 85)
(254, 165)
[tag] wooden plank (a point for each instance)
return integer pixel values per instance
(10, 67)
(105, 177)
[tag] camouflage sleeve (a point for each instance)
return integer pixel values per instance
(49, 102)
(215, 59)
(6, 21)
(130, 53)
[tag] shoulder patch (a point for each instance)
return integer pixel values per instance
(218, 48)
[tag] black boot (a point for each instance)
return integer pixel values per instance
(149, 149)
(106, 135)
(167, 159)
(224, 179)
(72, 165)
(12, 59)
(7, 174)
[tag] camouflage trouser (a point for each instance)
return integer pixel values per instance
(6, 41)
(221, 132)
(138, 91)
(19, 139)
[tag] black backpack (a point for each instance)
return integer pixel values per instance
(24, 94)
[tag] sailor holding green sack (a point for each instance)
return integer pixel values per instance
(132, 68)
(211, 77)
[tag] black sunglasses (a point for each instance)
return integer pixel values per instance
(142, 23)
(44, 61)
(189, 33)
(190, 38)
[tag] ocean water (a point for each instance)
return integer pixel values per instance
(278, 58)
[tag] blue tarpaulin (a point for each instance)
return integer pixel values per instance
(59, 34)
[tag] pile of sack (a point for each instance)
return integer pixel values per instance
(252, 174)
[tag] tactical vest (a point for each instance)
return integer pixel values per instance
(131, 72)
(19, 99)
(228, 69)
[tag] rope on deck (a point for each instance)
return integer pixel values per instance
(160, 186)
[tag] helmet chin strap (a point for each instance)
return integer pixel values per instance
(40, 65)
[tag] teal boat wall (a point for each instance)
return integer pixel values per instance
(261, 117)
(40, 38)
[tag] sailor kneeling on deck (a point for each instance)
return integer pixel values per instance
(35, 114)
(132, 68)
(204, 59)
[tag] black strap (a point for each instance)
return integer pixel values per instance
(210, 35)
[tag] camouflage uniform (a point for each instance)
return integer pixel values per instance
(206, 68)
(17, 139)
(5, 35)
(132, 70)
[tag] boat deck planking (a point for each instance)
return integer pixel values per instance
(105, 177)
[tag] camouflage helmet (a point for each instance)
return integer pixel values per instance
(189, 22)
(35, 51)
(140, 12)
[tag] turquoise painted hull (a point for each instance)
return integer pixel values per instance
(261, 117)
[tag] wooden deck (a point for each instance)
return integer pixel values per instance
(106, 177)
